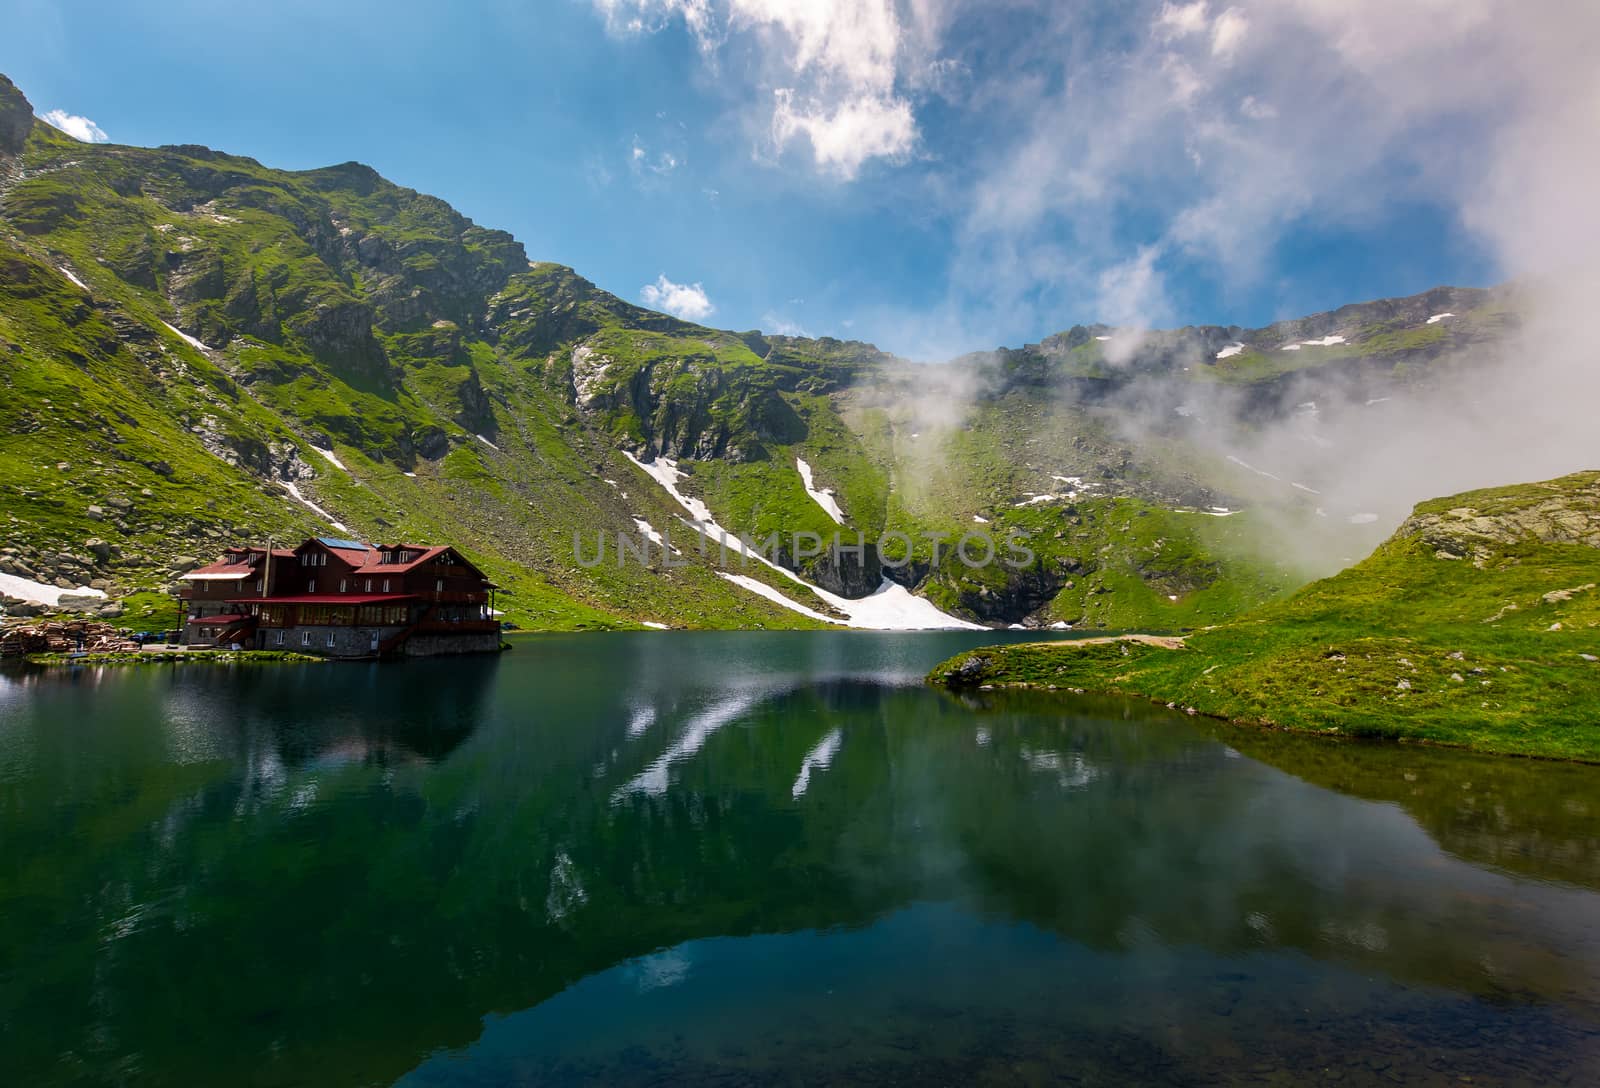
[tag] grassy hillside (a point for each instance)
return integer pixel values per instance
(320, 311)
(1477, 624)
(197, 349)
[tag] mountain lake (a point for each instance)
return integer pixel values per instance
(763, 858)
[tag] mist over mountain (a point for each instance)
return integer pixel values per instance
(198, 350)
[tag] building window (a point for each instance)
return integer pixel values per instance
(311, 586)
(438, 585)
(369, 585)
(280, 638)
(386, 585)
(330, 640)
(342, 585)
(305, 638)
(261, 585)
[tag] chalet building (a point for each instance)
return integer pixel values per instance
(342, 598)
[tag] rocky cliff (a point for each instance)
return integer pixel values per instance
(239, 351)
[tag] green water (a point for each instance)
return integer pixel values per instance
(752, 859)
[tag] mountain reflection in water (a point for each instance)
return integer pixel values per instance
(644, 858)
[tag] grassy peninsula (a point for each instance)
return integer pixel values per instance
(1477, 624)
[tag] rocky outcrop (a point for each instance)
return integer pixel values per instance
(1014, 599)
(67, 570)
(690, 407)
(842, 571)
(340, 331)
(16, 118)
(1483, 525)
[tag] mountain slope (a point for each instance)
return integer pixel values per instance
(1477, 623)
(198, 349)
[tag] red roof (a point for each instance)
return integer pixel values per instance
(332, 598)
(418, 555)
(222, 620)
(354, 556)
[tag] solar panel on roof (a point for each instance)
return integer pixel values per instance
(335, 542)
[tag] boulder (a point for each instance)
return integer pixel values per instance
(969, 671)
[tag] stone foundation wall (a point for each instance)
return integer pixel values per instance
(347, 641)
(361, 641)
(433, 645)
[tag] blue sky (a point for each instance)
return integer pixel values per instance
(932, 175)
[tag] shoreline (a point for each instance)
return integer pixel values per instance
(1188, 682)
(170, 657)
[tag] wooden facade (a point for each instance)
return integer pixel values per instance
(342, 598)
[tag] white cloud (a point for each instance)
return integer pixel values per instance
(649, 16)
(1181, 20)
(79, 128)
(855, 130)
(1257, 110)
(842, 76)
(642, 162)
(1218, 126)
(1228, 32)
(685, 300)
(777, 325)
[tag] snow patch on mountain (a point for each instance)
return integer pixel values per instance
(823, 497)
(891, 607)
(761, 589)
(187, 339)
(1252, 468)
(294, 490)
(331, 457)
(26, 589)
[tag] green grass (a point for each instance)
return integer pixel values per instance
(342, 309)
(1405, 645)
(149, 611)
(236, 253)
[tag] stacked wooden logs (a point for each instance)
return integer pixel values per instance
(63, 636)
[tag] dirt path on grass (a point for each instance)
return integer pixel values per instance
(1166, 642)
